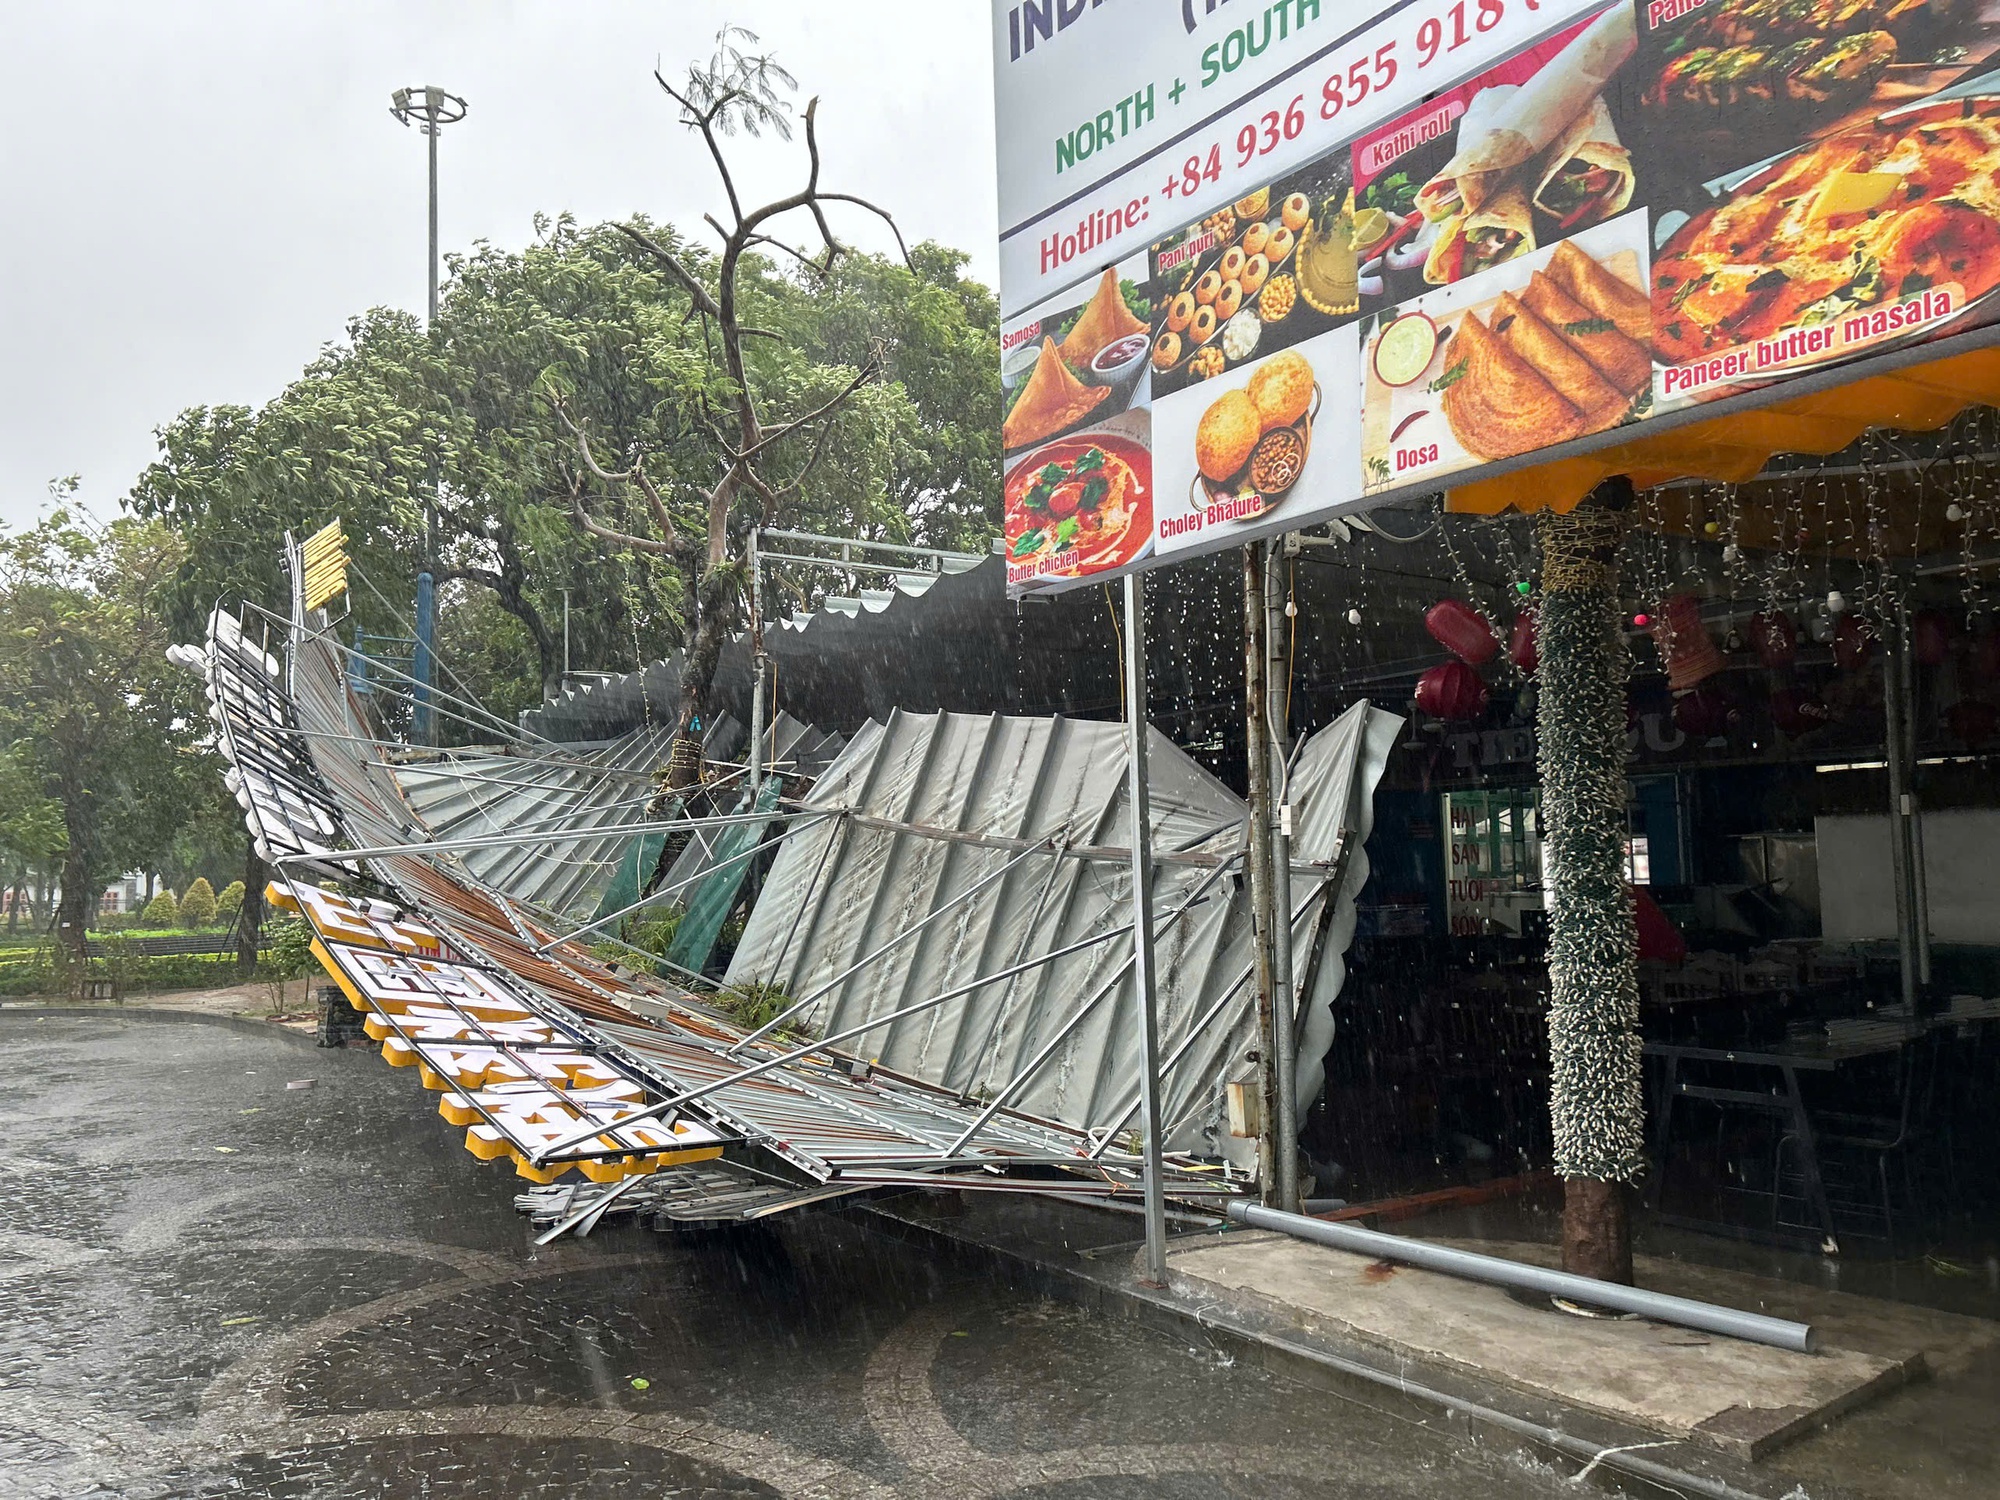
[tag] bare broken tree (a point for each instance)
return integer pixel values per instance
(762, 461)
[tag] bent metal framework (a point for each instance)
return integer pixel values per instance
(547, 1056)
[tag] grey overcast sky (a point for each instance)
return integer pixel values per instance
(197, 194)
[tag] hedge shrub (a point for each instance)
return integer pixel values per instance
(198, 905)
(162, 911)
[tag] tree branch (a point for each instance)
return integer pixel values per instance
(703, 299)
(624, 539)
(771, 435)
(704, 121)
(635, 475)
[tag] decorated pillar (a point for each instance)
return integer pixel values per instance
(1595, 1100)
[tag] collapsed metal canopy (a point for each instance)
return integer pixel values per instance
(967, 846)
(581, 790)
(547, 1055)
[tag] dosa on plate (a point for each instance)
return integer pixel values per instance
(1603, 293)
(1575, 378)
(1500, 405)
(1626, 364)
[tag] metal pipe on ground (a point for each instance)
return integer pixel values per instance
(1684, 1312)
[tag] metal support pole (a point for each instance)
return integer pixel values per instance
(1755, 1328)
(424, 667)
(1284, 1034)
(1920, 895)
(423, 728)
(565, 637)
(1901, 866)
(1264, 926)
(432, 132)
(757, 669)
(1136, 728)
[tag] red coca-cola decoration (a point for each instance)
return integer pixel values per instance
(1461, 630)
(1705, 713)
(1453, 692)
(1930, 637)
(1524, 648)
(1685, 646)
(1796, 712)
(1775, 638)
(1851, 645)
(1974, 721)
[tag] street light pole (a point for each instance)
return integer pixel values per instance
(430, 109)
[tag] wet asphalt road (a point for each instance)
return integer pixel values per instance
(215, 1285)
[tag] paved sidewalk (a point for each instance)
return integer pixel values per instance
(254, 1001)
(216, 1283)
(1907, 1378)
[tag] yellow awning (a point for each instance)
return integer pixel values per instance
(1733, 449)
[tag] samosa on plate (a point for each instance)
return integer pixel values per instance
(1052, 400)
(1104, 322)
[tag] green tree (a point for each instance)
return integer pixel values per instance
(627, 351)
(88, 700)
(229, 901)
(31, 829)
(198, 905)
(161, 911)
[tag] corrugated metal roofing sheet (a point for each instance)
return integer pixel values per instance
(875, 910)
(315, 782)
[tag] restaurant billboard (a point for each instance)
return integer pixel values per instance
(1263, 261)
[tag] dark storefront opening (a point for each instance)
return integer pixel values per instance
(1799, 1097)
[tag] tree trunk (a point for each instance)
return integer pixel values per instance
(704, 654)
(250, 919)
(14, 908)
(1597, 1230)
(1595, 1102)
(73, 914)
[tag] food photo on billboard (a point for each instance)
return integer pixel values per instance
(1252, 278)
(1550, 347)
(1531, 151)
(1077, 491)
(1273, 436)
(1720, 84)
(1824, 183)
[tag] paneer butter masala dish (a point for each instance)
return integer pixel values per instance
(1865, 218)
